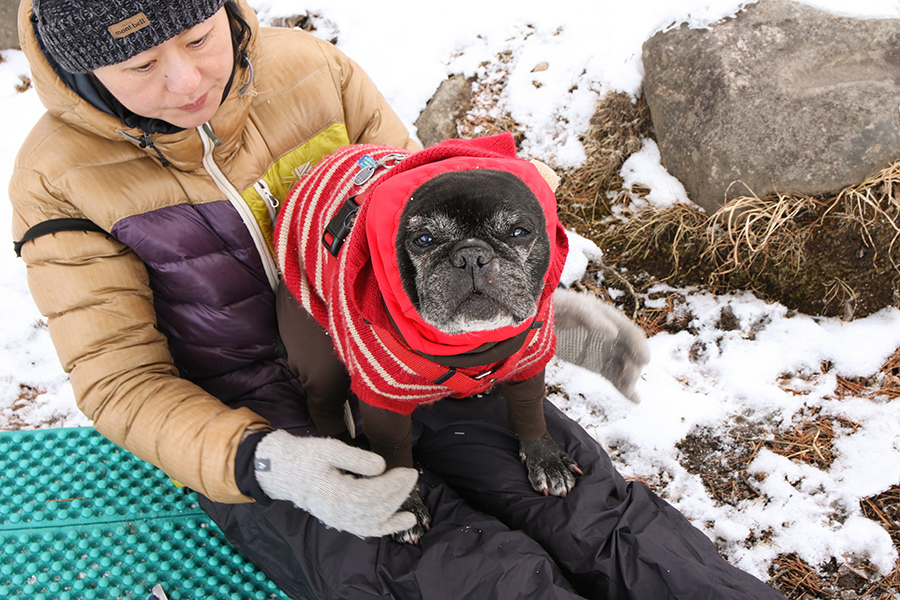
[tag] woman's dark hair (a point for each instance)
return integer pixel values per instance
(240, 30)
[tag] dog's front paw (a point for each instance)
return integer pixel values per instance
(550, 469)
(414, 505)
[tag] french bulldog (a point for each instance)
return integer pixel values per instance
(458, 267)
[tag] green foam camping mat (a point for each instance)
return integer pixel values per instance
(80, 518)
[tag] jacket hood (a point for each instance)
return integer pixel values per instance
(77, 102)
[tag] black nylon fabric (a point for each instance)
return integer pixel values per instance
(492, 536)
(611, 538)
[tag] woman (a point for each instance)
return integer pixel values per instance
(143, 206)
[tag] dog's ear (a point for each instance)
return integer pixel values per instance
(548, 174)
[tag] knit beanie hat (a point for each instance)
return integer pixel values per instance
(83, 35)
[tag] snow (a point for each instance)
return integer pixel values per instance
(766, 371)
(643, 168)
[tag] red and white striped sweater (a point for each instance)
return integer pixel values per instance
(343, 293)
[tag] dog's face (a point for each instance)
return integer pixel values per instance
(473, 250)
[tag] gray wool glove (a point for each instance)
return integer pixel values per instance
(344, 487)
(592, 334)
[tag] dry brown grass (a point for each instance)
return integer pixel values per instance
(885, 384)
(753, 232)
(885, 510)
(24, 84)
(673, 234)
(836, 256)
(483, 117)
(775, 229)
(811, 441)
(25, 398)
(794, 578)
(617, 129)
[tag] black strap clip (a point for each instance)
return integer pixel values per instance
(445, 376)
(339, 226)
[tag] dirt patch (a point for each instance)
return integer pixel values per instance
(721, 459)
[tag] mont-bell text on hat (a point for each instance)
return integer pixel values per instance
(129, 25)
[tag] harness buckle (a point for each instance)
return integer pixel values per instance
(339, 226)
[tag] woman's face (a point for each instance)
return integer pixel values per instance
(180, 81)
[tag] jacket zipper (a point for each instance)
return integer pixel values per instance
(262, 188)
(210, 141)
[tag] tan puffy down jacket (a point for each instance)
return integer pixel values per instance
(115, 304)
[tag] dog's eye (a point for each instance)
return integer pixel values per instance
(519, 232)
(424, 240)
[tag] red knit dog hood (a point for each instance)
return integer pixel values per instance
(384, 206)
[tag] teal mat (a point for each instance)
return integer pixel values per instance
(81, 518)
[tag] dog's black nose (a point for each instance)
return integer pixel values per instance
(471, 253)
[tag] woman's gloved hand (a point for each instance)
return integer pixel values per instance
(344, 487)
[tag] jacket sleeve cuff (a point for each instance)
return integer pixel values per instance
(243, 468)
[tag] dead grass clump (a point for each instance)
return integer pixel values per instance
(25, 398)
(811, 441)
(796, 579)
(485, 117)
(837, 256)
(617, 129)
(890, 377)
(656, 320)
(885, 509)
(721, 461)
(884, 384)
(668, 244)
(752, 232)
(24, 84)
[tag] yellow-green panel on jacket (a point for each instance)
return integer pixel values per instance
(282, 175)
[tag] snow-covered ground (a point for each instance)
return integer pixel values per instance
(766, 372)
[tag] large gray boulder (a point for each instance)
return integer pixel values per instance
(783, 97)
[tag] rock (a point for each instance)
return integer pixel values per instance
(450, 102)
(9, 36)
(783, 97)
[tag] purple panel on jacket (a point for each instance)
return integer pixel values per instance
(212, 299)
